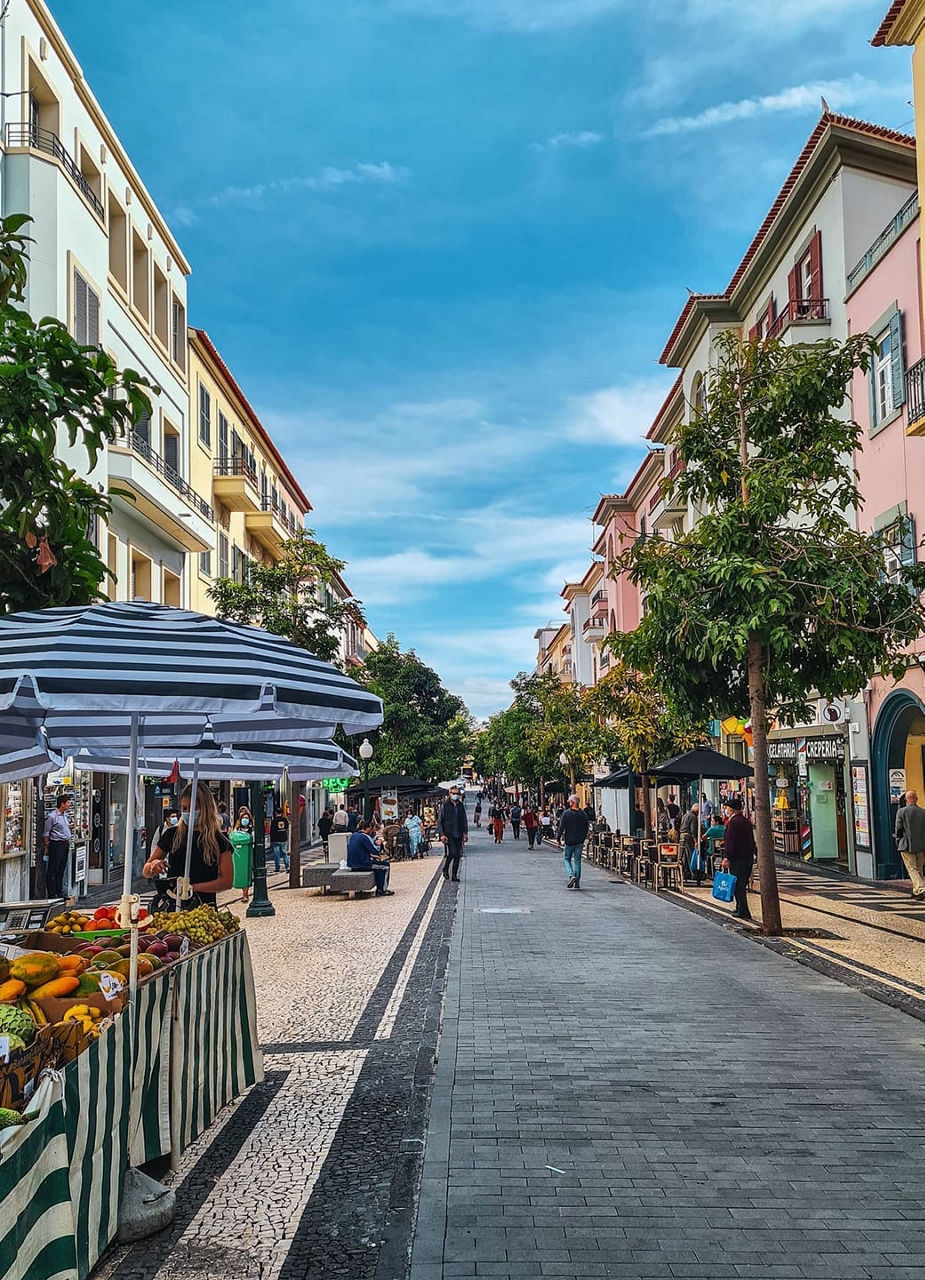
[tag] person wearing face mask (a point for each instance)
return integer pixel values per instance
(171, 820)
(242, 845)
(453, 829)
(211, 866)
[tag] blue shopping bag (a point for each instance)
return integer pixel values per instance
(724, 886)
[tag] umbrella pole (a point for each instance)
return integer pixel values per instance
(128, 907)
(194, 798)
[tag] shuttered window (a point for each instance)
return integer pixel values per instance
(178, 333)
(887, 371)
(205, 416)
(222, 437)
(899, 546)
(86, 312)
(222, 555)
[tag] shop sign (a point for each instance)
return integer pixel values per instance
(335, 785)
(897, 785)
(861, 805)
(388, 806)
(782, 748)
(825, 750)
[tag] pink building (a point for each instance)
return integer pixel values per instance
(889, 404)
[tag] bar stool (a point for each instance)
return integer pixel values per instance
(667, 869)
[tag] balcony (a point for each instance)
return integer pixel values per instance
(268, 525)
(27, 136)
(887, 237)
(153, 489)
(596, 627)
(915, 399)
(665, 506)
(811, 316)
(234, 482)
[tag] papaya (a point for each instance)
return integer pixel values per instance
(105, 958)
(4, 968)
(57, 989)
(35, 968)
(11, 990)
(88, 985)
(72, 964)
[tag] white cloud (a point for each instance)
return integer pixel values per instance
(618, 415)
(583, 141)
(838, 93)
(382, 174)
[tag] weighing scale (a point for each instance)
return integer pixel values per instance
(27, 916)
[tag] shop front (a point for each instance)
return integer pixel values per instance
(897, 766)
(16, 840)
(812, 808)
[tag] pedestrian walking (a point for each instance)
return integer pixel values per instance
(325, 825)
(223, 816)
(739, 853)
(279, 839)
(477, 814)
(353, 818)
(572, 833)
(341, 822)
(706, 808)
(687, 832)
(242, 844)
(57, 838)
(662, 820)
(674, 811)
(910, 839)
(453, 829)
(515, 819)
(211, 861)
(415, 834)
(496, 813)
(545, 825)
(531, 821)
(363, 854)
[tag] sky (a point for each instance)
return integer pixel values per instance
(441, 244)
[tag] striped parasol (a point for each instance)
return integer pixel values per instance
(303, 761)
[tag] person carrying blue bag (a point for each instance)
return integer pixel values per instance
(739, 854)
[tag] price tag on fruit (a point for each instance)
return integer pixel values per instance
(4, 1048)
(184, 947)
(110, 986)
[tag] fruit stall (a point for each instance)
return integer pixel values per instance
(91, 1084)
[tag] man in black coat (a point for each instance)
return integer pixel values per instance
(739, 853)
(453, 829)
(572, 833)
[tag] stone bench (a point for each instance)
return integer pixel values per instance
(352, 882)
(318, 876)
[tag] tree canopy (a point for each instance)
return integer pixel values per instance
(426, 731)
(52, 390)
(773, 596)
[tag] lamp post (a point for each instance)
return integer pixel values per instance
(366, 752)
(567, 764)
(260, 904)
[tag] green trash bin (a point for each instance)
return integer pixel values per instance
(242, 853)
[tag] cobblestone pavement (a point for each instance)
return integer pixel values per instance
(625, 1090)
(313, 1173)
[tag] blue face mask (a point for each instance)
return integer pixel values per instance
(245, 822)
(173, 821)
(190, 817)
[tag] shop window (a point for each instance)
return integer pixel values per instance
(161, 306)
(118, 244)
(887, 374)
(141, 286)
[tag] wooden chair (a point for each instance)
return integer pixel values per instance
(667, 869)
(648, 853)
(627, 856)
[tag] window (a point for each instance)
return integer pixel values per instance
(141, 577)
(222, 436)
(887, 374)
(43, 107)
(171, 589)
(161, 306)
(118, 244)
(205, 416)
(700, 392)
(143, 427)
(178, 333)
(764, 325)
(223, 555)
(112, 564)
(205, 563)
(86, 312)
(804, 284)
(899, 547)
(172, 448)
(90, 172)
(238, 564)
(140, 269)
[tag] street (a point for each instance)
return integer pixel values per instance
(622, 1089)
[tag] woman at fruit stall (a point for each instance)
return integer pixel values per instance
(211, 864)
(242, 850)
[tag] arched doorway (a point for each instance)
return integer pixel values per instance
(898, 743)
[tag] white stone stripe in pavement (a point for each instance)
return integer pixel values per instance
(386, 1026)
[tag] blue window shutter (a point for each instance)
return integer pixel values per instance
(896, 357)
(907, 548)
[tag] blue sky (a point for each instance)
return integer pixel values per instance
(441, 244)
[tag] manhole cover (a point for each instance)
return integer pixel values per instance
(503, 911)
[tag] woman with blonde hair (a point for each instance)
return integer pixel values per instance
(211, 866)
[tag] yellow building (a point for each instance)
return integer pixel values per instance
(904, 24)
(236, 467)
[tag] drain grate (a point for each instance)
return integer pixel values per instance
(502, 911)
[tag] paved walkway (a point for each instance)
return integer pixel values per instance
(626, 1090)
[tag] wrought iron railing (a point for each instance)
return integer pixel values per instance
(888, 236)
(915, 391)
(226, 466)
(28, 135)
(154, 460)
(800, 311)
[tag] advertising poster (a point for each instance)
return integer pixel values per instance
(388, 806)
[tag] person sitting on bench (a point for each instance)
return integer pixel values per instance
(364, 855)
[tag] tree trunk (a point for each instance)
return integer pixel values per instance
(646, 797)
(767, 869)
(295, 837)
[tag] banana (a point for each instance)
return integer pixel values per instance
(38, 1015)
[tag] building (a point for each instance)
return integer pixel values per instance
(257, 502)
(586, 605)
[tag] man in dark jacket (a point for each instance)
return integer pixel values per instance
(453, 829)
(910, 840)
(739, 853)
(515, 820)
(573, 832)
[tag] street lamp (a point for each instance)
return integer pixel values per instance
(567, 764)
(366, 753)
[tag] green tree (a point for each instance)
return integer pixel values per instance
(426, 730)
(51, 384)
(637, 723)
(773, 596)
(559, 723)
(293, 597)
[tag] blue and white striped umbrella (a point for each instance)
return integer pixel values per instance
(303, 761)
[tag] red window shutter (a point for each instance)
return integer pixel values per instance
(793, 284)
(815, 265)
(754, 331)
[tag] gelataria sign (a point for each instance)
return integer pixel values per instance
(782, 748)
